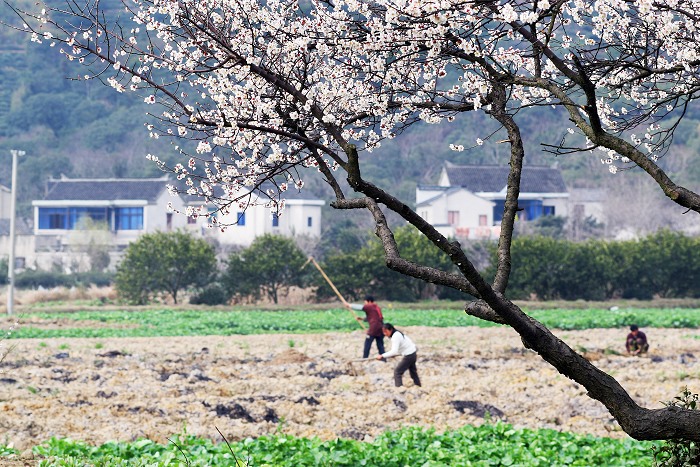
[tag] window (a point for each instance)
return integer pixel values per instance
(529, 210)
(483, 219)
(240, 219)
(80, 218)
(128, 219)
(275, 220)
(453, 217)
(532, 209)
(169, 221)
(309, 221)
(72, 218)
(53, 218)
(191, 220)
(548, 210)
(498, 206)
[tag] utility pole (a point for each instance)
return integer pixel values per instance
(11, 263)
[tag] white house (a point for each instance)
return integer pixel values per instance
(301, 217)
(468, 200)
(126, 208)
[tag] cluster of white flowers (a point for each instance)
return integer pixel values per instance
(267, 84)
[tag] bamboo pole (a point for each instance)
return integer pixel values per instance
(347, 305)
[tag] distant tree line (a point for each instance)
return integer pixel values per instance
(544, 268)
(665, 264)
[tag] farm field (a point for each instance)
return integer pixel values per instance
(302, 382)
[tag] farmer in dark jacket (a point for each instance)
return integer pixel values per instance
(636, 341)
(376, 320)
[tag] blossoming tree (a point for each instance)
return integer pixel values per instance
(270, 88)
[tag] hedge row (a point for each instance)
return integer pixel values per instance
(666, 265)
(34, 279)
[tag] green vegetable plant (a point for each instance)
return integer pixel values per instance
(7, 451)
(491, 444)
(172, 322)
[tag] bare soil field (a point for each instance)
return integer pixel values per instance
(97, 390)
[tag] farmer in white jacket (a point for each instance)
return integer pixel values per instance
(401, 345)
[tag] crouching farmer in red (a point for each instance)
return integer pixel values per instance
(401, 345)
(636, 341)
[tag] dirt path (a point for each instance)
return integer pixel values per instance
(98, 390)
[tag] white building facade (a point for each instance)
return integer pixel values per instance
(301, 217)
(76, 214)
(468, 201)
(110, 212)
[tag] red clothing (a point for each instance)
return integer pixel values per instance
(374, 318)
(638, 342)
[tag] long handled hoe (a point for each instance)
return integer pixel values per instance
(347, 305)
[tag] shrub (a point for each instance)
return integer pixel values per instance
(268, 267)
(365, 272)
(35, 278)
(99, 279)
(164, 262)
(538, 264)
(212, 294)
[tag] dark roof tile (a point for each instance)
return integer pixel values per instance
(106, 189)
(292, 193)
(493, 179)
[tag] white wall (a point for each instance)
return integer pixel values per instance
(155, 216)
(594, 209)
(5, 202)
(256, 218)
(561, 206)
(297, 215)
(24, 247)
(591, 202)
(258, 221)
(470, 207)
(444, 179)
(435, 212)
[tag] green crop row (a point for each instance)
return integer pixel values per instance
(497, 444)
(168, 322)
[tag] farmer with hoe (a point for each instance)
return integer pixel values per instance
(401, 345)
(636, 341)
(375, 319)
